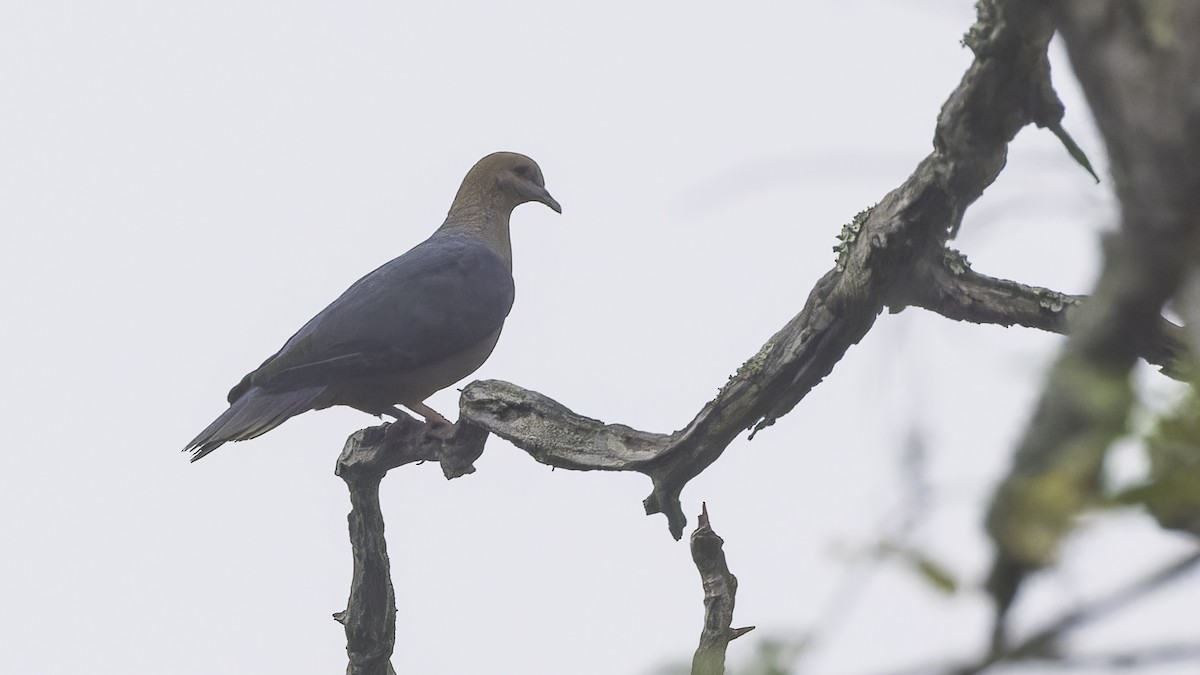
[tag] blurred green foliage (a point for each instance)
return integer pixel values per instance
(1172, 492)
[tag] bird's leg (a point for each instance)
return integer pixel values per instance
(435, 424)
(431, 416)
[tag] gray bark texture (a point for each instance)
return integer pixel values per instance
(720, 591)
(370, 615)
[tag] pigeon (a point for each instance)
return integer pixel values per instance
(415, 326)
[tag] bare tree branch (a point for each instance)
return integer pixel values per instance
(370, 616)
(1042, 641)
(948, 286)
(1042, 646)
(1134, 658)
(1007, 87)
(720, 591)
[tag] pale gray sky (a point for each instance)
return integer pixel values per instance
(182, 185)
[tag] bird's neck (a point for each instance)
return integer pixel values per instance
(484, 222)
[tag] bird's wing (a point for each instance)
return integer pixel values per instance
(440, 298)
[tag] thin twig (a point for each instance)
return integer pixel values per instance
(1038, 646)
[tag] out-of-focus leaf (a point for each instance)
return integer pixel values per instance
(1074, 150)
(1172, 495)
(929, 570)
(939, 577)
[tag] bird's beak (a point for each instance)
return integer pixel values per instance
(536, 193)
(528, 190)
(550, 201)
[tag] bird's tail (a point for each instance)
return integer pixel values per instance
(253, 414)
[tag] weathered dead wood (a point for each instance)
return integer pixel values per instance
(370, 615)
(948, 286)
(1007, 87)
(720, 592)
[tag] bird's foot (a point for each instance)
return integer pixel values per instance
(435, 423)
(439, 429)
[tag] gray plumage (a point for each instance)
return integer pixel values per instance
(416, 325)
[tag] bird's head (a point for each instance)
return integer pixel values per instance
(505, 180)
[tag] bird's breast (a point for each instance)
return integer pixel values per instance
(377, 394)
